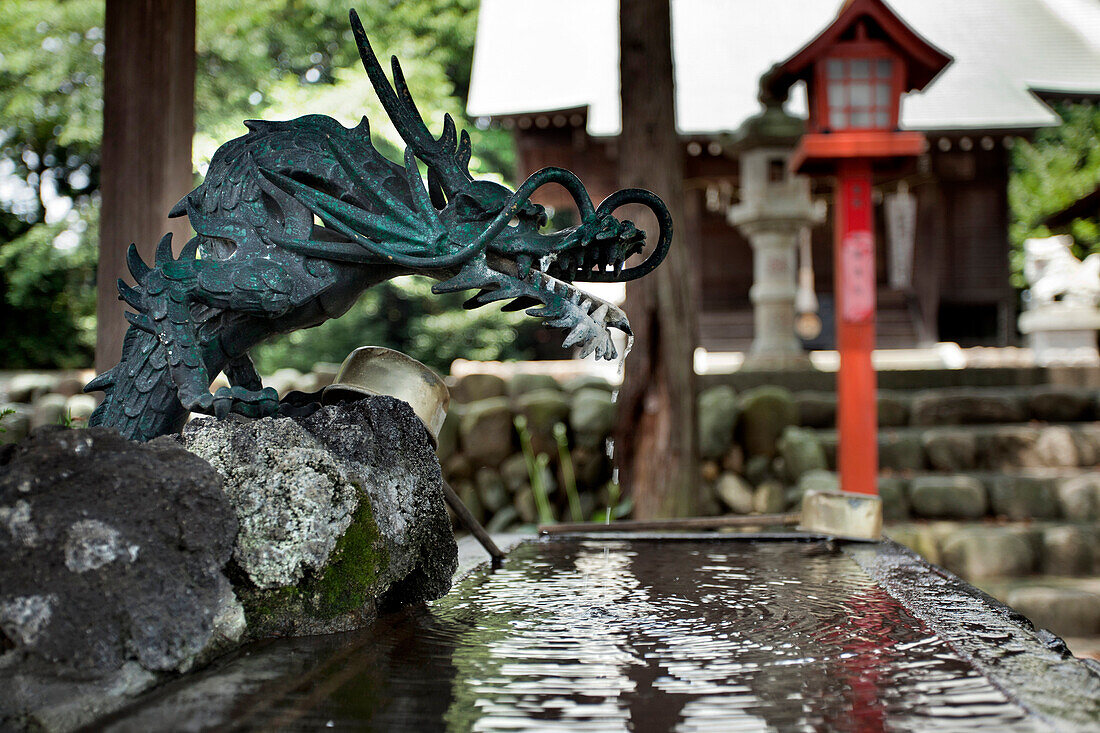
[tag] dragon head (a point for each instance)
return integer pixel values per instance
(477, 234)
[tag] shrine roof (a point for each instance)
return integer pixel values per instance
(540, 55)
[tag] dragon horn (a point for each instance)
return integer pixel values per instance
(664, 221)
(443, 155)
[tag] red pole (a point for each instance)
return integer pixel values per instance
(854, 253)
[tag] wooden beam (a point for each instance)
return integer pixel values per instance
(148, 123)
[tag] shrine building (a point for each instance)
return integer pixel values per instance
(548, 71)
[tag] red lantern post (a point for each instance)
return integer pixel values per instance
(856, 71)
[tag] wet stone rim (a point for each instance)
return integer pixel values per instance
(1032, 667)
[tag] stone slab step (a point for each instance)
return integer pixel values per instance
(964, 448)
(1067, 606)
(985, 552)
(1039, 494)
(911, 379)
(962, 406)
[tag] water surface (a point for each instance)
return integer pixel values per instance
(581, 635)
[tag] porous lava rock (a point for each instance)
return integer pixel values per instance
(341, 514)
(111, 574)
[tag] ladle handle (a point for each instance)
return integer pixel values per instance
(472, 524)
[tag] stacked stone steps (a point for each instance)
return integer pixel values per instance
(967, 448)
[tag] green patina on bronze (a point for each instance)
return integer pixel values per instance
(296, 219)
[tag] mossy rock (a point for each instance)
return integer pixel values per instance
(717, 414)
(765, 413)
(342, 596)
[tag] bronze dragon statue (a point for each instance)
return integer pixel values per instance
(296, 219)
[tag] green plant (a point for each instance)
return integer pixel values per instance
(4, 413)
(568, 475)
(536, 471)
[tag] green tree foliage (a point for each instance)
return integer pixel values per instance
(1060, 166)
(262, 58)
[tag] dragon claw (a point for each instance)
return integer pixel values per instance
(239, 400)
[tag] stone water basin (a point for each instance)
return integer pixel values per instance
(687, 633)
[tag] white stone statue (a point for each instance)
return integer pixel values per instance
(1063, 313)
(1054, 274)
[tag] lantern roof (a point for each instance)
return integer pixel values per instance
(923, 61)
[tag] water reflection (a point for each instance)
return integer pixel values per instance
(640, 636)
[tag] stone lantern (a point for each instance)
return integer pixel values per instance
(775, 207)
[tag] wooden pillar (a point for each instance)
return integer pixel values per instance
(655, 436)
(148, 123)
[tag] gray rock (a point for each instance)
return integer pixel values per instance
(592, 416)
(1079, 497)
(113, 553)
(590, 466)
(895, 501)
(1054, 403)
(40, 701)
(14, 425)
(283, 380)
(576, 384)
(447, 440)
(818, 480)
(69, 385)
(950, 449)
(816, 409)
(1005, 447)
(920, 538)
(504, 519)
(735, 493)
(1069, 549)
(893, 409)
(734, 460)
(801, 451)
(340, 512)
(1056, 447)
(486, 432)
(294, 499)
(1064, 611)
(765, 412)
(475, 387)
(524, 383)
(49, 409)
(978, 553)
(513, 470)
(964, 406)
(490, 489)
(467, 493)
(543, 408)
(950, 497)
(457, 468)
(900, 450)
(79, 408)
(717, 414)
(758, 469)
(525, 505)
(28, 387)
(769, 498)
(1023, 497)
